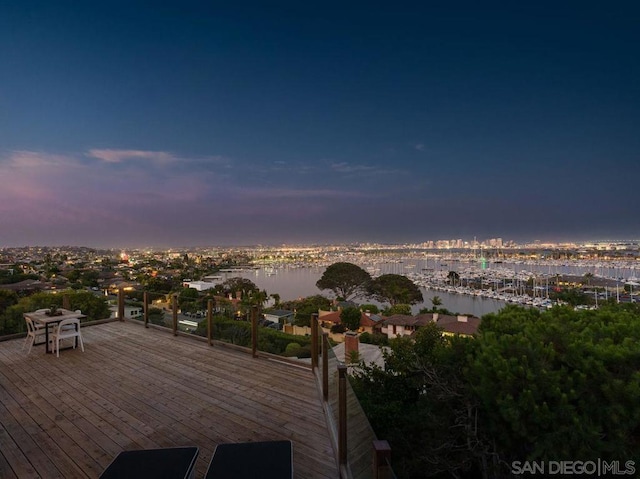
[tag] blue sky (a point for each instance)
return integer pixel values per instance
(133, 124)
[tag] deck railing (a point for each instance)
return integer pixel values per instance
(360, 455)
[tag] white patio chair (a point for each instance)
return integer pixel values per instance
(69, 326)
(63, 331)
(72, 326)
(34, 331)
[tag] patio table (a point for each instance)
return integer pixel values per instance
(43, 318)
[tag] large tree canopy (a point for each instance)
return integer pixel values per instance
(394, 289)
(344, 279)
(559, 385)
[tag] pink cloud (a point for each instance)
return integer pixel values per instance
(120, 156)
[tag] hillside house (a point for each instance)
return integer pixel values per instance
(369, 322)
(406, 325)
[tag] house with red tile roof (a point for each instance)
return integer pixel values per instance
(460, 324)
(406, 325)
(368, 322)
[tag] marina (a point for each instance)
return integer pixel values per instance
(478, 287)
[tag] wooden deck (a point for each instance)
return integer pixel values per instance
(137, 388)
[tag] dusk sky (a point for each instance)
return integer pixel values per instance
(128, 124)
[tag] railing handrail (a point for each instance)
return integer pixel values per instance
(340, 437)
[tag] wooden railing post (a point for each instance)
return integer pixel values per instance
(342, 414)
(145, 308)
(325, 366)
(66, 303)
(121, 304)
(254, 331)
(174, 307)
(209, 321)
(314, 341)
(381, 460)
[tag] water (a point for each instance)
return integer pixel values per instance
(295, 283)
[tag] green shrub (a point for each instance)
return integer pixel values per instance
(338, 328)
(292, 349)
(366, 338)
(378, 339)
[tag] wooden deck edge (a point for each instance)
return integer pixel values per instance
(333, 430)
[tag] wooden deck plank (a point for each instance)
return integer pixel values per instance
(238, 417)
(12, 460)
(248, 396)
(138, 388)
(29, 460)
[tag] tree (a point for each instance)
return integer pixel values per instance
(188, 299)
(394, 289)
(423, 376)
(156, 316)
(9, 276)
(73, 275)
(276, 299)
(372, 308)
(531, 386)
(256, 298)
(7, 298)
(344, 279)
(305, 307)
(453, 277)
(188, 294)
(559, 384)
(572, 296)
(350, 317)
(90, 278)
(94, 307)
(237, 284)
(156, 284)
(436, 301)
(398, 309)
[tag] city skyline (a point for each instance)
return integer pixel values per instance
(191, 125)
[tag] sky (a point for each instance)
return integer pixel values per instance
(168, 124)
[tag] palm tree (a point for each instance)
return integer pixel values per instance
(436, 301)
(453, 277)
(276, 299)
(588, 277)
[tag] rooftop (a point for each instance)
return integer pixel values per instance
(137, 388)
